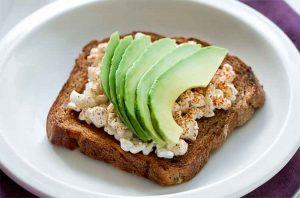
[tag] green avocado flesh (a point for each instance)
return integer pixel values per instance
(143, 80)
(151, 56)
(119, 51)
(141, 106)
(196, 70)
(106, 62)
(131, 54)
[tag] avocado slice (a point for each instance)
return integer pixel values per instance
(119, 51)
(106, 62)
(152, 55)
(146, 81)
(196, 70)
(131, 54)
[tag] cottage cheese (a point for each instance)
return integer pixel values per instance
(192, 105)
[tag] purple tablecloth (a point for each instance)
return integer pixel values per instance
(287, 181)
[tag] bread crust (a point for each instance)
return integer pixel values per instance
(65, 129)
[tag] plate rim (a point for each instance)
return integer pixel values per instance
(250, 16)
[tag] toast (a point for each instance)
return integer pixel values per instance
(65, 129)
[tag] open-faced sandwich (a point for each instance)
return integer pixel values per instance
(153, 106)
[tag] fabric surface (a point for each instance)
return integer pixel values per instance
(287, 181)
(281, 14)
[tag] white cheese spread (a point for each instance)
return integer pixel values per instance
(192, 105)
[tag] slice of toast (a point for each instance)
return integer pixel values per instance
(65, 129)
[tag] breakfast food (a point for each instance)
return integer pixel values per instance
(156, 107)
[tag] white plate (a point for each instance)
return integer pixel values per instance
(38, 54)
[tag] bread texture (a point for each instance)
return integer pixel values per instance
(65, 129)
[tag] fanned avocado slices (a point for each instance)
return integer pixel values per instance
(144, 79)
(131, 54)
(106, 62)
(151, 56)
(196, 70)
(119, 51)
(141, 106)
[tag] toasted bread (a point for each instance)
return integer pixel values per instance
(65, 129)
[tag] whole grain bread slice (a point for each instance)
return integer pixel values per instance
(65, 129)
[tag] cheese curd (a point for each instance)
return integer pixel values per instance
(192, 105)
(97, 53)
